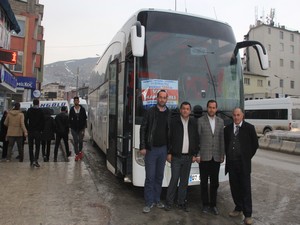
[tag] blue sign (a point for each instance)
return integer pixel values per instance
(26, 82)
(8, 78)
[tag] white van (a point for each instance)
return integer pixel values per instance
(273, 114)
(82, 102)
(55, 105)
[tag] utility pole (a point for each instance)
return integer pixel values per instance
(77, 81)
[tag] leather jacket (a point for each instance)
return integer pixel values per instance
(148, 127)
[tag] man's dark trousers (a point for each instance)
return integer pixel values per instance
(209, 169)
(180, 169)
(240, 186)
(34, 137)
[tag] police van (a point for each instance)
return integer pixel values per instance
(54, 105)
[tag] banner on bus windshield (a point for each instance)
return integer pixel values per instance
(152, 86)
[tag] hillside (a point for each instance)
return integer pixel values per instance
(65, 72)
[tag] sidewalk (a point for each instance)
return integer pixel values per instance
(57, 193)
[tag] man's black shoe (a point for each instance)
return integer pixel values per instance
(184, 207)
(36, 164)
(168, 207)
(205, 209)
(215, 210)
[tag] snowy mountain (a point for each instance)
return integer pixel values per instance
(65, 72)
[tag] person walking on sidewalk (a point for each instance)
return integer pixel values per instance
(15, 131)
(241, 144)
(184, 146)
(211, 155)
(47, 133)
(3, 133)
(153, 145)
(35, 125)
(62, 131)
(77, 118)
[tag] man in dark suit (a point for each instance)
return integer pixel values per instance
(35, 122)
(241, 144)
(211, 155)
(184, 146)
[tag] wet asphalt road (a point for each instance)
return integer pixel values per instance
(275, 190)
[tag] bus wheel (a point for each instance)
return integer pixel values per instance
(267, 130)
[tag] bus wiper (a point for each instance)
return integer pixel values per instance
(203, 52)
(211, 77)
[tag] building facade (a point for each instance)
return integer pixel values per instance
(282, 78)
(53, 91)
(29, 44)
(8, 81)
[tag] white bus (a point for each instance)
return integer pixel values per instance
(273, 114)
(195, 59)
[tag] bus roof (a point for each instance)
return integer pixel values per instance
(272, 103)
(176, 12)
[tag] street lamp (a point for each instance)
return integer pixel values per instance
(77, 81)
(271, 91)
(281, 84)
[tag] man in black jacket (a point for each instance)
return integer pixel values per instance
(183, 149)
(34, 121)
(153, 145)
(77, 118)
(241, 144)
(62, 131)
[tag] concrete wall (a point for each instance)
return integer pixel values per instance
(282, 141)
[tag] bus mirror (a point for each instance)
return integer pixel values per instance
(263, 56)
(137, 39)
(260, 50)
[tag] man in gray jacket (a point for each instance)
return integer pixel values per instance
(211, 155)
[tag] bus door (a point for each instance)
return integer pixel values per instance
(111, 155)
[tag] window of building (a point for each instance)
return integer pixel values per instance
(19, 65)
(21, 23)
(269, 83)
(247, 81)
(292, 37)
(269, 63)
(292, 84)
(281, 47)
(259, 83)
(269, 47)
(281, 83)
(281, 62)
(38, 47)
(269, 30)
(281, 34)
(292, 49)
(292, 64)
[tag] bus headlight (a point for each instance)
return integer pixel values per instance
(139, 158)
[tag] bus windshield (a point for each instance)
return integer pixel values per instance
(193, 57)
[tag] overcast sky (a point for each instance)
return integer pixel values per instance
(77, 29)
